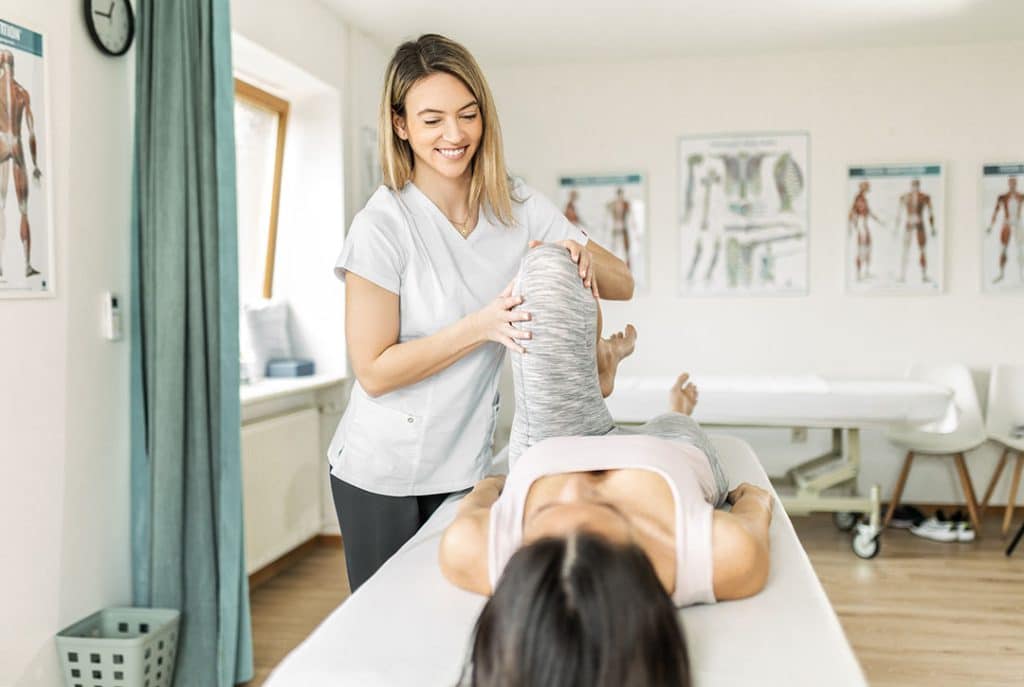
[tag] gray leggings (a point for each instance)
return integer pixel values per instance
(556, 384)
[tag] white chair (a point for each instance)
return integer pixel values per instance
(945, 439)
(1005, 412)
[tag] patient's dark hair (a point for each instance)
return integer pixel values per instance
(579, 612)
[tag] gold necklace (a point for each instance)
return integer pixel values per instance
(460, 226)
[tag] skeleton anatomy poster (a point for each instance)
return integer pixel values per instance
(894, 228)
(743, 214)
(1002, 227)
(26, 232)
(612, 209)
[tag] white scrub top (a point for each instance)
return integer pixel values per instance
(436, 435)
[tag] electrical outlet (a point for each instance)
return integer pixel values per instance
(798, 435)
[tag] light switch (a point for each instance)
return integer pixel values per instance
(113, 327)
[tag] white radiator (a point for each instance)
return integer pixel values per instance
(283, 472)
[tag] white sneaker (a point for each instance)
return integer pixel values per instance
(936, 530)
(964, 531)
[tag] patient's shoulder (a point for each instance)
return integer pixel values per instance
(739, 561)
(463, 552)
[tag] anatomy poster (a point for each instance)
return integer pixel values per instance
(1002, 227)
(371, 162)
(743, 214)
(26, 232)
(894, 228)
(612, 209)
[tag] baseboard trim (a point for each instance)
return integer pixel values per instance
(329, 539)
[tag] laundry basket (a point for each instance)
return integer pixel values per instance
(120, 647)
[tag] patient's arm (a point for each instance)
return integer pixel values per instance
(739, 544)
(463, 554)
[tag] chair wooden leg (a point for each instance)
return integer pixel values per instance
(1012, 499)
(898, 491)
(965, 482)
(992, 483)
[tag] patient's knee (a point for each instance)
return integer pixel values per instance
(553, 291)
(562, 311)
(550, 265)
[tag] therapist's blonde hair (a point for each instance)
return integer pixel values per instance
(414, 60)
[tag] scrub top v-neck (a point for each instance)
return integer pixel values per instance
(436, 435)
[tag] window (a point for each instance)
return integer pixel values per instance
(261, 120)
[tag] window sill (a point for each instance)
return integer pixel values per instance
(271, 388)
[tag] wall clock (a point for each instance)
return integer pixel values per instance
(111, 24)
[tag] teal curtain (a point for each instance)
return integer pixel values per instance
(187, 542)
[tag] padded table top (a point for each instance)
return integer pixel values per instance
(408, 626)
(807, 401)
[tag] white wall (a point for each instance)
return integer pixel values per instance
(64, 405)
(367, 62)
(949, 103)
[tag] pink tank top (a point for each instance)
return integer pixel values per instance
(683, 466)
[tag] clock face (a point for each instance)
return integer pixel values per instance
(111, 24)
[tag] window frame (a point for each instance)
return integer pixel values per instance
(257, 97)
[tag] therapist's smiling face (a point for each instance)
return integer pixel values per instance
(442, 124)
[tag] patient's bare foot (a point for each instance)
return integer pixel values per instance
(610, 352)
(682, 397)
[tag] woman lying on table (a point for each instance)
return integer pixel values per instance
(597, 529)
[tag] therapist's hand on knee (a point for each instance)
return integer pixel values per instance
(582, 257)
(494, 322)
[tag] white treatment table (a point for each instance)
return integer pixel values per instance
(408, 626)
(825, 483)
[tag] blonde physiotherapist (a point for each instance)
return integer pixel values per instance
(428, 265)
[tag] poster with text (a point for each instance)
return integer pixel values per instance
(612, 209)
(743, 214)
(1002, 228)
(894, 230)
(26, 230)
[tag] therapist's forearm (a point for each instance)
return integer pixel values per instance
(404, 364)
(614, 280)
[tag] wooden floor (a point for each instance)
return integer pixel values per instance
(921, 613)
(288, 607)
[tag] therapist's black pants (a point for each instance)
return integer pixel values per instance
(373, 526)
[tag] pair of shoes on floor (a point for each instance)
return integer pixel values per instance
(906, 516)
(940, 528)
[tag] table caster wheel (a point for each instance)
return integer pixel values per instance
(866, 544)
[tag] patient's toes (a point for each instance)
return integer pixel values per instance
(683, 396)
(624, 343)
